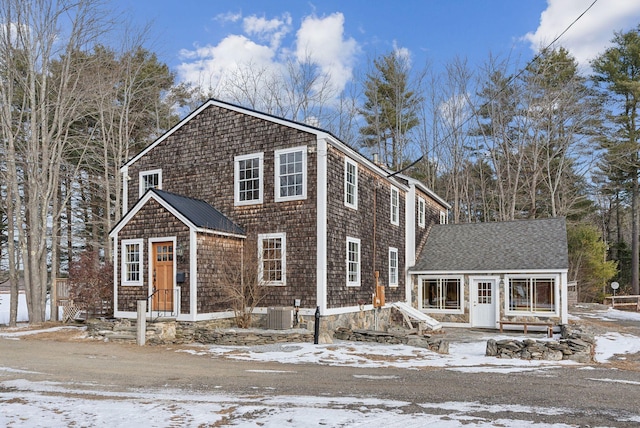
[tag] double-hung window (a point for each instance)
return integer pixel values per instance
(395, 206)
(532, 294)
(443, 217)
(248, 171)
(272, 259)
(393, 267)
(350, 184)
(150, 180)
(353, 262)
(291, 174)
(131, 262)
(442, 294)
(422, 212)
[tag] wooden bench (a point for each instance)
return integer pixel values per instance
(525, 324)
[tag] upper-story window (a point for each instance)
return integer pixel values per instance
(291, 174)
(131, 262)
(395, 206)
(353, 262)
(443, 217)
(351, 184)
(272, 259)
(393, 267)
(150, 180)
(422, 212)
(248, 179)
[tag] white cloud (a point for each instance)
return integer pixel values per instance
(321, 41)
(267, 45)
(592, 33)
(228, 17)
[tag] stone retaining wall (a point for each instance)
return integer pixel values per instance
(573, 345)
(438, 345)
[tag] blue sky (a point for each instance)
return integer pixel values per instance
(199, 40)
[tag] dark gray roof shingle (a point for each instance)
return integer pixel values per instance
(500, 246)
(200, 213)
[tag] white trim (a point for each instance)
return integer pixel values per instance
(564, 304)
(394, 208)
(153, 240)
(141, 174)
(116, 279)
(321, 225)
(276, 171)
(193, 275)
(495, 296)
(556, 295)
(443, 217)
(461, 295)
(283, 258)
(422, 212)
(123, 280)
(489, 272)
(358, 280)
(236, 179)
(348, 162)
(391, 251)
(125, 190)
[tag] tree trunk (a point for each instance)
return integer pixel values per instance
(635, 192)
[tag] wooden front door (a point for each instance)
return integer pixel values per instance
(162, 276)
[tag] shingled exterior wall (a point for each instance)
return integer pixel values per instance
(370, 223)
(197, 160)
(152, 221)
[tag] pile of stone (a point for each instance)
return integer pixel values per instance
(438, 345)
(575, 346)
(250, 337)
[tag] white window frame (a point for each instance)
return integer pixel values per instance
(422, 212)
(236, 178)
(283, 258)
(142, 174)
(556, 295)
(440, 279)
(395, 206)
(350, 188)
(443, 217)
(277, 176)
(124, 262)
(357, 263)
(394, 270)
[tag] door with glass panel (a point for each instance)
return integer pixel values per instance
(483, 302)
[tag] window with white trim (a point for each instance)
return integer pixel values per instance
(442, 294)
(532, 294)
(443, 217)
(350, 184)
(131, 261)
(393, 267)
(150, 180)
(395, 206)
(272, 258)
(422, 212)
(291, 174)
(353, 262)
(248, 171)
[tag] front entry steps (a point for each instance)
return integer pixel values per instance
(410, 313)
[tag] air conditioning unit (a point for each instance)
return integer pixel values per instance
(279, 318)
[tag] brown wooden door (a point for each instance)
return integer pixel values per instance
(163, 276)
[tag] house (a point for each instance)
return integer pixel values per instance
(331, 228)
(488, 274)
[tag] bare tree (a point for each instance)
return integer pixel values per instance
(40, 102)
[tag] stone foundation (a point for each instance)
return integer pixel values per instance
(574, 345)
(438, 345)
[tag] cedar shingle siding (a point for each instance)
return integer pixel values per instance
(198, 160)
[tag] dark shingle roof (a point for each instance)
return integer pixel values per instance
(200, 213)
(513, 245)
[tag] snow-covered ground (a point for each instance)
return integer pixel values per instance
(34, 404)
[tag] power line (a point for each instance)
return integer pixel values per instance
(512, 78)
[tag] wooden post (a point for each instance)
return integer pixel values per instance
(142, 322)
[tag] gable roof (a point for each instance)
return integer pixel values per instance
(200, 213)
(320, 134)
(195, 213)
(501, 246)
